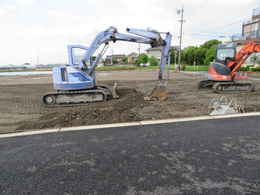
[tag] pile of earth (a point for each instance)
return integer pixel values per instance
(113, 111)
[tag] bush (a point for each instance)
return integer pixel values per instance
(153, 61)
(244, 68)
(255, 69)
(125, 60)
(142, 59)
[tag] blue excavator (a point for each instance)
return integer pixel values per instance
(75, 83)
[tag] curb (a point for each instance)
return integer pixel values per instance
(118, 125)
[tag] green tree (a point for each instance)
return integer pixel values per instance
(125, 60)
(114, 60)
(211, 43)
(142, 59)
(210, 55)
(189, 55)
(200, 55)
(153, 61)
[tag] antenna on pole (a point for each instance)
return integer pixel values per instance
(181, 13)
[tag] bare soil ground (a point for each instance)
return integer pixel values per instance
(21, 107)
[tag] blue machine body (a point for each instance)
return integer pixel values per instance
(70, 78)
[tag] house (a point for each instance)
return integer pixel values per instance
(155, 52)
(131, 58)
(114, 59)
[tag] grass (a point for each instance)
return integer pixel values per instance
(118, 68)
(196, 68)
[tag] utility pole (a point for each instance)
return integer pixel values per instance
(180, 12)
(139, 49)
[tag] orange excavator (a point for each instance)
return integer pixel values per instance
(223, 72)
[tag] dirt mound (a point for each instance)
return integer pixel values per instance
(114, 111)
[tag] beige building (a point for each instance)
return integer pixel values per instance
(131, 58)
(155, 52)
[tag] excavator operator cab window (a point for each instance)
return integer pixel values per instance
(225, 52)
(77, 55)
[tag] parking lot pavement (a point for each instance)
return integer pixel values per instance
(197, 157)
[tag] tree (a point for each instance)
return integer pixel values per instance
(210, 55)
(189, 55)
(125, 60)
(200, 55)
(210, 44)
(114, 60)
(142, 59)
(153, 61)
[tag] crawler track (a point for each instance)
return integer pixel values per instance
(72, 98)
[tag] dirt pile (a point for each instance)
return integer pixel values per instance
(114, 111)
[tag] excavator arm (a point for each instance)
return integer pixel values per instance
(242, 56)
(150, 37)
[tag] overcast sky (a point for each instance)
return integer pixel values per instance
(43, 28)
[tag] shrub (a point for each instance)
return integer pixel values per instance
(255, 69)
(153, 61)
(244, 68)
(142, 59)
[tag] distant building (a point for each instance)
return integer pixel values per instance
(117, 59)
(250, 29)
(155, 52)
(132, 57)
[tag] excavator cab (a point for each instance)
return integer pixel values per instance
(219, 69)
(225, 52)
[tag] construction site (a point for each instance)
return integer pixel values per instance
(77, 94)
(22, 109)
(174, 111)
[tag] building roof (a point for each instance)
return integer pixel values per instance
(154, 49)
(133, 54)
(160, 48)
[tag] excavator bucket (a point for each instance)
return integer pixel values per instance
(159, 93)
(114, 91)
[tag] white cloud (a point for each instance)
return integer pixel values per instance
(31, 28)
(7, 10)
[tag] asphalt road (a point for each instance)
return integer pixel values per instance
(200, 157)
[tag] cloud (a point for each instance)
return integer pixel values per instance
(31, 28)
(7, 10)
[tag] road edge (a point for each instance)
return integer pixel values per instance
(117, 125)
